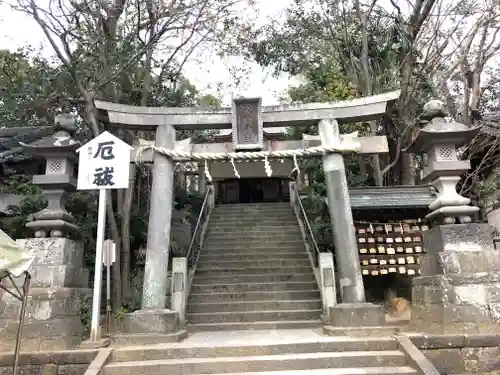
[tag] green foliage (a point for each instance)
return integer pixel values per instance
(13, 183)
(316, 33)
(83, 206)
(120, 314)
(86, 312)
(324, 82)
(14, 224)
(31, 89)
(489, 192)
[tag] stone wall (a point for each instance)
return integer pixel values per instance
(459, 289)
(48, 363)
(461, 354)
(53, 314)
(52, 320)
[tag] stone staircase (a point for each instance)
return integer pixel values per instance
(299, 356)
(253, 272)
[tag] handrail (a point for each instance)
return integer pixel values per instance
(305, 220)
(195, 239)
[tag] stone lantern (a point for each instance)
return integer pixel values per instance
(59, 178)
(53, 317)
(458, 290)
(439, 140)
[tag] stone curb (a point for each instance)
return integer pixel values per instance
(449, 341)
(415, 357)
(100, 360)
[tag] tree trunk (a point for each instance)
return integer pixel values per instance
(362, 167)
(129, 192)
(377, 173)
(117, 286)
(408, 170)
(125, 232)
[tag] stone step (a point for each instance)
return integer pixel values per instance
(252, 206)
(210, 270)
(252, 249)
(256, 228)
(249, 264)
(239, 221)
(252, 326)
(245, 250)
(275, 212)
(285, 206)
(258, 225)
(253, 243)
(253, 316)
(251, 287)
(249, 215)
(253, 224)
(340, 344)
(282, 362)
(249, 207)
(242, 235)
(211, 257)
(293, 228)
(257, 204)
(254, 217)
(216, 307)
(255, 296)
(254, 239)
(386, 370)
(252, 279)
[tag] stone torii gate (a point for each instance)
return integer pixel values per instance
(247, 118)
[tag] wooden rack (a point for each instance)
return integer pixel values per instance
(390, 248)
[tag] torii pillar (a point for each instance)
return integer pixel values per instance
(155, 316)
(160, 218)
(339, 206)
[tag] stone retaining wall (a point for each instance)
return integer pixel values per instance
(73, 362)
(461, 354)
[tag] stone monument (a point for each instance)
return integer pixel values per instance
(58, 279)
(459, 287)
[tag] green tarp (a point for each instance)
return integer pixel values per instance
(14, 260)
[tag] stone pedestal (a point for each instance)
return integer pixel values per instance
(53, 315)
(179, 286)
(154, 321)
(459, 290)
(357, 315)
(327, 277)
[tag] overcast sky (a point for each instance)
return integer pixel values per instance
(211, 75)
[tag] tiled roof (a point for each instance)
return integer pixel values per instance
(391, 197)
(11, 150)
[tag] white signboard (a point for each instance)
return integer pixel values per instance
(104, 163)
(108, 253)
